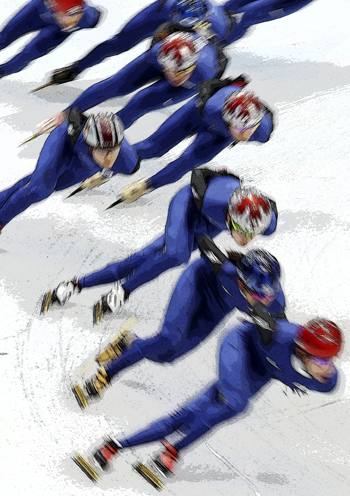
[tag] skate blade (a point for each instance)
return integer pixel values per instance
(46, 303)
(86, 468)
(97, 314)
(149, 476)
(80, 396)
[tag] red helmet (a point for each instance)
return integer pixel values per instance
(103, 130)
(321, 338)
(242, 109)
(177, 52)
(250, 210)
(65, 5)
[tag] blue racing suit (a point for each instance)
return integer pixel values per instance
(36, 16)
(185, 226)
(145, 69)
(59, 166)
(220, 18)
(200, 301)
(245, 366)
(212, 136)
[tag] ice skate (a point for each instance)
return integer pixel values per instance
(60, 295)
(99, 460)
(116, 348)
(92, 388)
(109, 303)
(167, 460)
(147, 474)
(103, 455)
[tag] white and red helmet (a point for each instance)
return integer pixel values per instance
(178, 52)
(242, 110)
(250, 210)
(103, 130)
(70, 7)
(320, 338)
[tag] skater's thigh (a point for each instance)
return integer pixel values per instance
(179, 230)
(25, 21)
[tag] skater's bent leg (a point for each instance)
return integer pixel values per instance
(48, 39)
(7, 193)
(157, 430)
(179, 241)
(260, 11)
(119, 270)
(141, 26)
(131, 77)
(173, 339)
(25, 21)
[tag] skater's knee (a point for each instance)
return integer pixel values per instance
(177, 258)
(161, 349)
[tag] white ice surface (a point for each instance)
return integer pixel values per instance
(284, 445)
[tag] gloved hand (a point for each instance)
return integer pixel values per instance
(48, 125)
(135, 190)
(64, 75)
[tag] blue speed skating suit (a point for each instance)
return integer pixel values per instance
(220, 20)
(212, 135)
(161, 93)
(60, 165)
(199, 302)
(245, 366)
(185, 226)
(36, 16)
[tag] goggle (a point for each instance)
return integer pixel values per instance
(183, 71)
(239, 129)
(71, 12)
(322, 362)
(238, 229)
(262, 297)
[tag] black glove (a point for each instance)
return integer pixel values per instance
(64, 75)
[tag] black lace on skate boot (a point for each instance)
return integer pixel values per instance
(96, 384)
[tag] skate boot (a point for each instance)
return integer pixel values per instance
(100, 459)
(109, 303)
(116, 348)
(164, 463)
(92, 388)
(167, 460)
(61, 294)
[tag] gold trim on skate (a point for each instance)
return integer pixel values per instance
(115, 349)
(46, 303)
(101, 380)
(80, 396)
(149, 476)
(86, 468)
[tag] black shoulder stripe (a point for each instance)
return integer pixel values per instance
(76, 122)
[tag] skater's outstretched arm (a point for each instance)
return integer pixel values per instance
(48, 39)
(53, 160)
(159, 95)
(134, 75)
(180, 125)
(203, 149)
(141, 26)
(262, 11)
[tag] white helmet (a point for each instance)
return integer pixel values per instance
(103, 130)
(250, 211)
(242, 110)
(178, 52)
